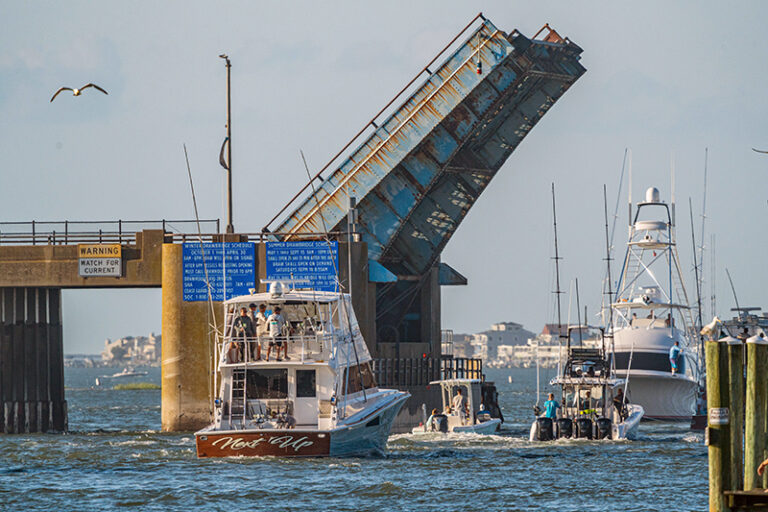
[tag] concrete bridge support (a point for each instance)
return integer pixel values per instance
(31, 361)
(188, 348)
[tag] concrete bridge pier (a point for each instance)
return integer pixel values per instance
(188, 347)
(31, 361)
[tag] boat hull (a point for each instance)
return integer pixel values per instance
(664, 397)
(367, 436)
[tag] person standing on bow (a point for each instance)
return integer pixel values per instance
(674, 353)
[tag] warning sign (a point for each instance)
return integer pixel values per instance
(97, 260)
(718, 415)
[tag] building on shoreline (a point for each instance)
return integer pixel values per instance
(135, 350)
(509, 344)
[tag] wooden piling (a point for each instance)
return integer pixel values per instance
(718, 430)
(736, 405)
(754, 443)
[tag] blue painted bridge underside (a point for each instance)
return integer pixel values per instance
(416, 177)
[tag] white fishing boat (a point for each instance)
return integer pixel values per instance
(592, 401)
(126, 373)
(307, 390)
(650, 313)
(463, 415)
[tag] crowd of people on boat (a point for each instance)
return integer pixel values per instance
(257, 322)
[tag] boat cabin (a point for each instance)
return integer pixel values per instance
(289, 367)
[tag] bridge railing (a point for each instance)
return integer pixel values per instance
(111, 231)
(422, 371)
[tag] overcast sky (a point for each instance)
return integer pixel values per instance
(664, 79)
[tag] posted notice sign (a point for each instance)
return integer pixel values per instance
(313, 261)
(718, 415)
(97, 260)
(229, 268)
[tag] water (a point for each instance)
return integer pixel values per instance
(115, 457)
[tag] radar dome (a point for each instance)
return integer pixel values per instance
(276, 289)
(652, 195)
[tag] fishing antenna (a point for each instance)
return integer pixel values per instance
(733, 289)
(558, 292)
(349, 277)
(608, 267)
(578, 314)
(211, 312)
(698, 284)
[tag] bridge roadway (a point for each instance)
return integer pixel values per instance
(34, 270)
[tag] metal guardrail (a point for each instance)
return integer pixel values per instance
(124, 232)
(422, 371)
(72, 232)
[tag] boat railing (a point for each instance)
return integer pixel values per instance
(245, 350)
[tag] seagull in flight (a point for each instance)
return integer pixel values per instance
(78, 92)
(758, 151)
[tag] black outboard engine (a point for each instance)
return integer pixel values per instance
(584, 428)
(604, 428)
(442, 423)
(544, 429)
(564, 428)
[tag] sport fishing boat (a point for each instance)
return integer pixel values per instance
(593, 401)
(319, 399)
(472, 419)
(650, 313)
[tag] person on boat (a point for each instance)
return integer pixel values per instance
(243, 329)
(674, 353)
(460, 404)
(430, 424)
(586, 404)
(550, 407)
(620, 404)
(253, 314)
(276, 326)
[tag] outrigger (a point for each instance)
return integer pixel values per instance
(321, 399)
(592, 405)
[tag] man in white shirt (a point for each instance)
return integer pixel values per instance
(276, 324)
(460, 405)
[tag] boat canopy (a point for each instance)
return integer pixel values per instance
(293, 296)
(640, 304)
(455, 382)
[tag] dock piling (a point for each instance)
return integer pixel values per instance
(718, 428)
(755, 420)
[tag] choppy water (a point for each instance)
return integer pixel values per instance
(116, 458)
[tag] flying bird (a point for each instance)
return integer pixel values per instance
(758, 151)
(78, 92)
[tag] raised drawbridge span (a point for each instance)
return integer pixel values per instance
(416, 173)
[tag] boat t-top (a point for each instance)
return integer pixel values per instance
(651, 312)
(592, 400)
(462, 411)
(316, 394)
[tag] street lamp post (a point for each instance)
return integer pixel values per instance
(230, 227)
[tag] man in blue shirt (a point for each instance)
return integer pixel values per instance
(551, 407)
(674, 353)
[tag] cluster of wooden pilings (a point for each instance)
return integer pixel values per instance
(737, 420)
(31, 361)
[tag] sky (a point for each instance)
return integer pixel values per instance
(664, 79)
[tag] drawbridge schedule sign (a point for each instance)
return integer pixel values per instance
(98, 260)
(231, 270)
(315, 261)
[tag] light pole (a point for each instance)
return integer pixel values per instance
(230, 228)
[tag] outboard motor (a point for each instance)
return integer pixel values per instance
(442, 423)
(544, 429)
(564, 428)
(584, 428)
(604, 428)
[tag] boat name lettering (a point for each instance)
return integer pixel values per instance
(238, 443)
